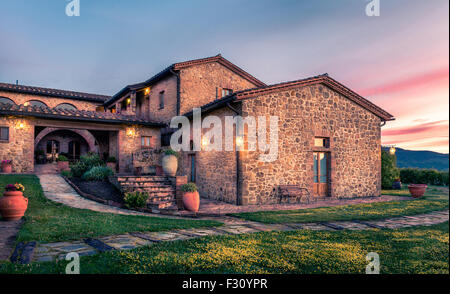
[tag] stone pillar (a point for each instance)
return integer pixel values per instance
(178, 181)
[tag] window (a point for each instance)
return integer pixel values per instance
(113, 109)
(226, 92)
(66, 106)
(4, 134)
(161, 100)
(165, 139)
(322, 142)
(36, 103)
(146, 141)
(6, 101)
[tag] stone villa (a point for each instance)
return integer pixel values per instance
(329, 136)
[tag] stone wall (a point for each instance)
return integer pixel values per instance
(20, 146)
(215, 170)
(303, 114)
(169, 86)
(130, 142)
(199, 84)
(51, 102)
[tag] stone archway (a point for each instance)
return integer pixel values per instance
(85, 134)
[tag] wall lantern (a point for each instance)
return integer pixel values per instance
(130, 132)
(205, 142)
(20, 126)
(392, 150)
(239, 141)
(26, 103)
(147, 91)
(128, 101)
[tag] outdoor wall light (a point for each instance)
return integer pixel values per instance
(239, 141)
(147, 91)
(392, 150)
(130, 132)
(205, 142)
(128, 101)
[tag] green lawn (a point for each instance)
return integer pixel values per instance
(436, 198)
(48, 221)
(411, 250)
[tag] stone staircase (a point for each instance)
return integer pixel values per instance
(159, 188)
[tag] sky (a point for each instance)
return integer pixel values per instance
(398, 60)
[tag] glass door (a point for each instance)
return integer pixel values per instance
(321, 174)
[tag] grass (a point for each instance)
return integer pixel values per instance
(409, 250)
(436, 198)
(48, 221)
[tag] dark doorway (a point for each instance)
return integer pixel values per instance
(74, 150)
(192, 169)
(321, 174)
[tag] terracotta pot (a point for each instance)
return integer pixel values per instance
(63, 165)
(191, 201)
(170, 165)
(13, 205)
(417, 190)
(6, 168)
(111, 165)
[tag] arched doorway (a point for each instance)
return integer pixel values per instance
(52, 150)
(74, 149)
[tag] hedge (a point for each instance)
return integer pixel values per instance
(424, 176)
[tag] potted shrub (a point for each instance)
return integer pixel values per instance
(63, 163)
(170, 162)
(7, 166)
(13, 205)
(111, 162)
(191, 198)
(397, 185)
(417, 190)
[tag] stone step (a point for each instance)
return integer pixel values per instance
(162, 205)
(145, 185)
(149, 189)
(158, 199)
(143, 179)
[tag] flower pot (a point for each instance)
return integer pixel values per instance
(63, 165)
(6, 168)
(170, 165)
(397, 185)
(191, 201)
(111, 165)
(13, 205)
(417, 190)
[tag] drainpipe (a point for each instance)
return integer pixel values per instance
(238, 161)
(382, 123)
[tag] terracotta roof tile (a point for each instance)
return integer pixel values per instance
(53, 92)
(93, 116)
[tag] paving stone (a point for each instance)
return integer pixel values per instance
(351, 225)
(274, 227)
(167, 236)
(238, 229)
(315, 227)
(44, 258)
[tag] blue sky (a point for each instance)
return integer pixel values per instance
(114, 43)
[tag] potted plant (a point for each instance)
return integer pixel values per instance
(13, 205)
(7, 166)
(111, 162)
(397, 185)
(40, 156)
(417, 190)
(63, 163)
(191, 198)
(170, 162)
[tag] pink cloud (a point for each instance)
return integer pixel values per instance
(436, 76)
(435, 127)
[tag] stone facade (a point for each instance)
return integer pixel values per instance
(200, 84)
(20, 146)
(305, 113)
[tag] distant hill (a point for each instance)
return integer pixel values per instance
(422, 159)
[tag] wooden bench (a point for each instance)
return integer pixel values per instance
(293, 192)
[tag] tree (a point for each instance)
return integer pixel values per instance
(389, 170)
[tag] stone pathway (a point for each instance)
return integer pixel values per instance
(58, 251)
(57, 189)
(8, 232)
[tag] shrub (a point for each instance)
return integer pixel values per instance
(86, 163)
(189, 187)
(111, 159)
(389, 170)
(424, 176)
(170, 152)
(66, 173)
(97, 173)
(62, 158)
(135, 199)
